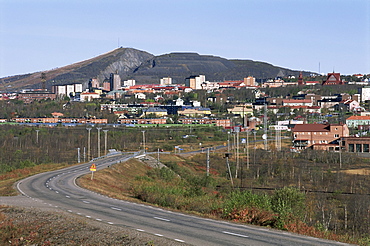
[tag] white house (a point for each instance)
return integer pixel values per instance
(88, 96)
(140, 96)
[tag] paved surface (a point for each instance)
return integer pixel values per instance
(58, 190)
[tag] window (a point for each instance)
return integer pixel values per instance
(351, 148)
(336, 135)
(358, 148)
(366, 147)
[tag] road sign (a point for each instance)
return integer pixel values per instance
(93, 168)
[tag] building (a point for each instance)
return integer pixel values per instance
(94, 83)
(333, 79)
(158, 112)
(318, 136)
(60, 120)
(195, 82)
(115, 81)
(142, 121)
(128, 83)
(140, 96)
(218, 122)
(194, 112)
(36, 95)
(210, 86)
(88, 96)
(296, 102)
(242, 110)
(355, 120)
(67, 90)
(250, 81)
(356, 144)
(300, 79)
(166, 81)
(364, 93)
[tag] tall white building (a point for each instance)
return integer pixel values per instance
(166, 81)
(66, 90)
(365, 93)
(128, 83)
(195, 82)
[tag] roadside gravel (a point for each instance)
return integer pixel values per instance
(36, 223)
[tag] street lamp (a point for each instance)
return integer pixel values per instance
(88, 143)
(98, 128)
(37, 136)
(105, 141)
(143, 140)
(78, 155)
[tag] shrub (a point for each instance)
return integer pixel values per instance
(238, 200)
(288, 201)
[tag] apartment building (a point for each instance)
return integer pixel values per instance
(318, 136)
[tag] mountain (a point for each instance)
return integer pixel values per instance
(146, 68)
(121, 60)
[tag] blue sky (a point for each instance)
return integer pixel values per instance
(37, 35)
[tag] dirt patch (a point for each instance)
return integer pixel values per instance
(360, 171)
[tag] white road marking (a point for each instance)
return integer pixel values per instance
(159, 235)
(158, 218)
(68, 196)
(69, 211)
(87, 216)
(98, 219)
(140, 230)
(179, 240)
(85, 201)
(118, 209)
(234, 234)
(111, 223)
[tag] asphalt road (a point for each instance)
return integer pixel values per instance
(58, 190)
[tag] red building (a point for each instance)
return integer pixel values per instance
(333, 79)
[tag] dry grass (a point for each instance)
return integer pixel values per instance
(7, 180)
(360, 171)
(116, 180)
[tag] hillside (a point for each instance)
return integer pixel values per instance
(146, 68)
(121, 60)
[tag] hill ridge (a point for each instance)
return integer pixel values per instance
(145, 68)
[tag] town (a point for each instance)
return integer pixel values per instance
(335, 122)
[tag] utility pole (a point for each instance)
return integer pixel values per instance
(254, 152)
(37, 136)
(228, 168)
(207, 162)
(248, 150)
(105, 141)
(143, 141)
(78, 155)
(88, 144)
(228, 142)
(237, 152)
(265, 127)
(278, 139)
(340, 153)
(98, 128)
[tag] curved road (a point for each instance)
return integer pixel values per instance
(59, 190)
